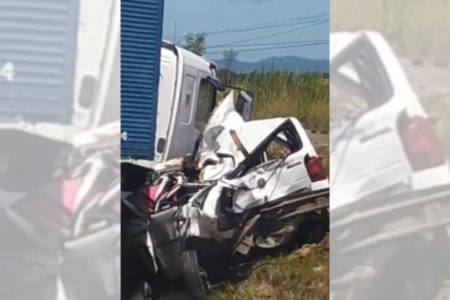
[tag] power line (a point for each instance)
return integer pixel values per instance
(260, 44)
(306, 44)
(262, 37)
(266, 26)
(274, 24)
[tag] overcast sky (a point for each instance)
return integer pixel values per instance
(281, 24)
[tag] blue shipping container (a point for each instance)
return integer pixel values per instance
(141, 35)
(38, 41)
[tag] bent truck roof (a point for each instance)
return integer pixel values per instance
(192, 58)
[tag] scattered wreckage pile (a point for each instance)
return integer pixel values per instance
(249, 188)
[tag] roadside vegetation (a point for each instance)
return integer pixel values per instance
(303, 274)
(276, 93)
(283, 94)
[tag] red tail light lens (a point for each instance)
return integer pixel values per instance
(421, 144)
(70, 189)
(315, 168)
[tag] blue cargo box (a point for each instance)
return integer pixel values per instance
(141, 36)
(38, 41)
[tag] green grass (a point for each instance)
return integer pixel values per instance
(302, 275)
(283, 94)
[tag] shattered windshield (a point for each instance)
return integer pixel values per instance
(281, 142)
(347, 106)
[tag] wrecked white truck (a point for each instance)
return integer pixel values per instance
(250, 187)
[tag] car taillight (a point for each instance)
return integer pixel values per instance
(70, 189)
(421, 143)
(315, 168)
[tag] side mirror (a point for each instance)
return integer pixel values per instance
(244, 105)
(87, 91)
(216, 84)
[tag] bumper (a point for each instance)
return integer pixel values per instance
(431, 178)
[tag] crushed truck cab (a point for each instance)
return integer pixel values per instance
(167, 126)
(185, 100)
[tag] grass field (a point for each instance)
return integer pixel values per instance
(282, 94)
(302, 275)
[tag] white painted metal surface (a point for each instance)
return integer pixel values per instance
(98, 41)
(354, 175)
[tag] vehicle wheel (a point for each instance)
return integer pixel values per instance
(313, 230)
(275, 239)
(194, 277)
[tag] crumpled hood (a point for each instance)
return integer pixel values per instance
(218, 154)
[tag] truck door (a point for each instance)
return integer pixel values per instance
(244, 105)
(195, 106)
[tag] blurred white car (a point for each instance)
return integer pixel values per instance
(387, 144)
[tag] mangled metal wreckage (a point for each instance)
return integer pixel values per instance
(249, 186)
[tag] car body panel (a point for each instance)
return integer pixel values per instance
(364, 65)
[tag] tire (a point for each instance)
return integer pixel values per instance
(195, 282)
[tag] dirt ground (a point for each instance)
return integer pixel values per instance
(317, 138)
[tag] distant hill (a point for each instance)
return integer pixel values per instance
(286, 63)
